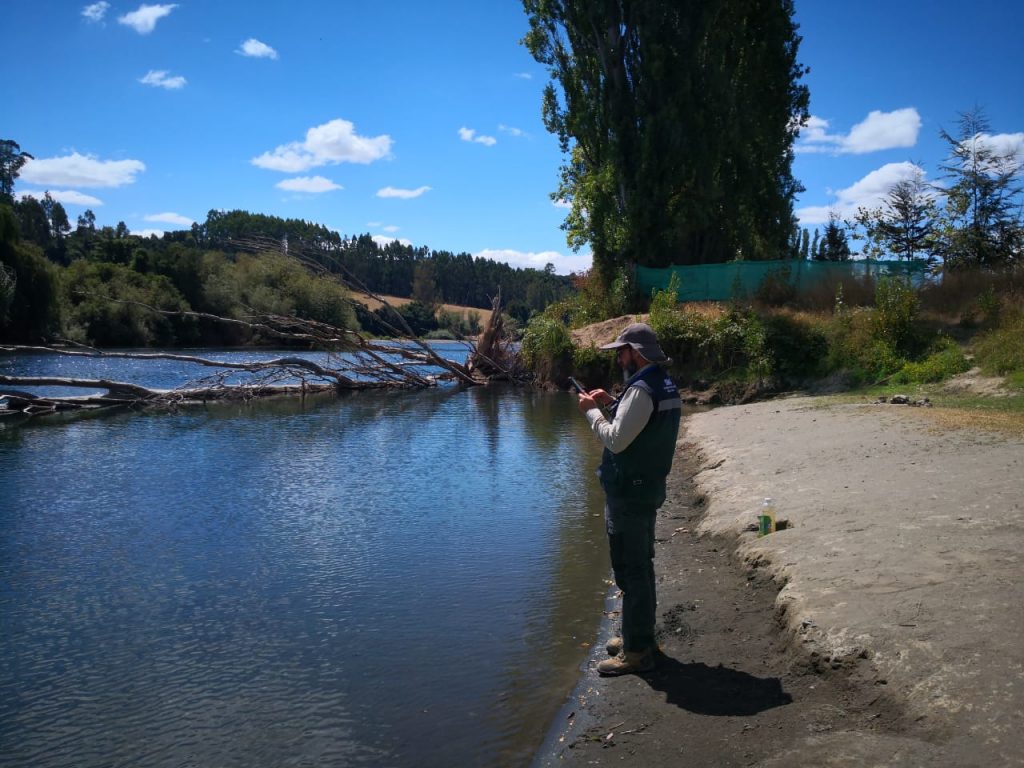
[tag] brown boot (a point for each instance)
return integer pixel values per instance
(629, 663)
(614, 646)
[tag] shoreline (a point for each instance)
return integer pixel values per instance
(888, 613)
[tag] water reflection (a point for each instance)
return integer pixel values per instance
(401, 579)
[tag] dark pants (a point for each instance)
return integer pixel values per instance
(631, 544)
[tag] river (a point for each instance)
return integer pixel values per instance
(399, 579)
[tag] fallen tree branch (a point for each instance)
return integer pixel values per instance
(352, 360)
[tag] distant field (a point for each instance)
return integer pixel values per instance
(396, 301)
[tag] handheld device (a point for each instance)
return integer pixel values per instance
(577, 386)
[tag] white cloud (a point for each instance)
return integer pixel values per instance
(469, 134)
(328, 144)
(511, 131)
(95, 12)
(538, 260)
(878, 131)
(383, 240)
(884, 130)
(68, 196)
(256, 49)
(1007, 150)
(147, 232)
(402, 194)
(77, 170)
(1004, 143)
(561, 203)
(869, 192)
(159, 78)
(524, 75)
(391, 228)
(170, 218)
(310, 184)
(143, 20)
(373, 224)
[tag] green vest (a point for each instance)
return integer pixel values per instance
(638, 472)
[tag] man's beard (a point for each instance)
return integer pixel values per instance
(628, 370)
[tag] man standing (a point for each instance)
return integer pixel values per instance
(639, 443)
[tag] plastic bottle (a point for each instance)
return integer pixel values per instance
(766, 518)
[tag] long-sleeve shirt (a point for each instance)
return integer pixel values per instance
(631, 416)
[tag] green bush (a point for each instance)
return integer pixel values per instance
(896, 310)
(419, 317)
(947, 360)
(702, 343)
(109, 305)
(592, 301)
(854, 348)
(546, 341)
(1001, 351)
(590, 356)
(798, 346)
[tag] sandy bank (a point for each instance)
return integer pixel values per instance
(903, 558)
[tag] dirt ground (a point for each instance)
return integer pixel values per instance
(882, 628)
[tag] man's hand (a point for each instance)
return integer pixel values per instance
(586, 402)
(595, 398)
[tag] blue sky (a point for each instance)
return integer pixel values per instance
(421, 121)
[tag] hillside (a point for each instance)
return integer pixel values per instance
(397, 301)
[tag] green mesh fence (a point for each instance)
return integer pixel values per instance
(721, 282)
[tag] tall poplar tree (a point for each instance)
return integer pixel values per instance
(677, 121)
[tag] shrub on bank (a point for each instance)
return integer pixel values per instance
(868, 342)
(798, 344)
(547, 348)
(107, 305)
(853, 348)
(708, 341)
(946, 360)
(895, 316)
(1000, 351)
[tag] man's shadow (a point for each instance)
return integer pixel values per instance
(719, 690)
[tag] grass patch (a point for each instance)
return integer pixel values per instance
(959, 410)
(994, 414)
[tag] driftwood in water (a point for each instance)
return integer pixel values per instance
(368, 366)
(494, 357)
(352, 360)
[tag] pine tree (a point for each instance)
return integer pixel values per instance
(904, 225)
(834, 245)
(982, 225)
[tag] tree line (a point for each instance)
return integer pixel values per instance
(677, 123)
(969, 218)
(91, 283)
(397, 269)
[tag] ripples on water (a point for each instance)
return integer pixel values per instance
(381, 579)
